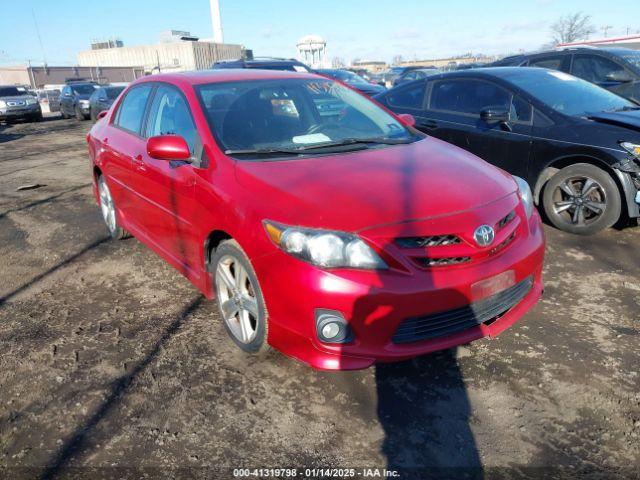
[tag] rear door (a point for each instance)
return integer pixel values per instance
(409, 98)
(123, 139)
(165, 189)
(66, 100)
(453, 111)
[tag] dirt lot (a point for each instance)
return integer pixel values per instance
(111, 361)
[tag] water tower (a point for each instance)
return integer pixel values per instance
(312, 50)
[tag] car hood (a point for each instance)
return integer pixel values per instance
(369, 89)
(629, 119)
(374, 187)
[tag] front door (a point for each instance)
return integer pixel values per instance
(165, 189)
(455, 107)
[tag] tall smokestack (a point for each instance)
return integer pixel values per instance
(216, 21)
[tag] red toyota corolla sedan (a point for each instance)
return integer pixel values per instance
(326, 226)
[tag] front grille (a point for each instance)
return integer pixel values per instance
(441, 262)
(429, 241)
(453, 321)
(506, 219)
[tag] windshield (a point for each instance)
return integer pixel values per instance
(567, 94)
(632, 57)
(10, 92)
(113, 92)
(294, 114)
(84, 89)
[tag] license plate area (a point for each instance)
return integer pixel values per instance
(493, 285)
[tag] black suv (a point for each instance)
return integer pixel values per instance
(265, 63)
(616, 69)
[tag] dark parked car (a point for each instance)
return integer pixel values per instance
(102, 99)
(74, 99)
(265, 63)
(616, 69)
(17, 103)
(415, 74)
(395, 72)
(353, 80)
(578, 145)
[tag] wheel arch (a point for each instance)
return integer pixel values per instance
(212, 241)
(561, 162)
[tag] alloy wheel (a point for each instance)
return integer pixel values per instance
(580, 200)
(237, 299)
(106, 205)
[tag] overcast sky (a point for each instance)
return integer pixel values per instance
(352, 28)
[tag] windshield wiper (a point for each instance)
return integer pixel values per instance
(316, 146)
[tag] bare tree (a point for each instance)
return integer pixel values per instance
(572, 27)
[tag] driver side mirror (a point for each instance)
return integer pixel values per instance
(407, 119)
(102, 114)
(492, 115)
(620, 76)
(168, 147)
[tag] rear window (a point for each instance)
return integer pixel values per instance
(131, 111)
(84, 89)
(112, 93)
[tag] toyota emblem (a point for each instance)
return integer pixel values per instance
(484, 235)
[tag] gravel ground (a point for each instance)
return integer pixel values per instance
(112, 364)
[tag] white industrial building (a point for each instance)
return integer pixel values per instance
(178, 51)
(628, 41)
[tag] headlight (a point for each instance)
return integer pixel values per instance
(632, 148)
(31, 101)
(324, 248)
(525, 195)
(3, 104)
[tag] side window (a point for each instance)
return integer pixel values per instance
(65, 91)
(410, 97)
(553, 63)
(410, 76)
(131, 110)
(170, 115)
(468, 96)
(593, 68)
(520, 110)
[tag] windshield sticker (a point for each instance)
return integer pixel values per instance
(284, 108)
(311, 138)
(563, 76)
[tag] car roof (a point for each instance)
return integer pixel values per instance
(504, 73)
(225, 75)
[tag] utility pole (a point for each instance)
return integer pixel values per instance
(605, 29)
(216, 21)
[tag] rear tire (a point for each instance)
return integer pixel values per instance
(109, 211)
(582, 199)
(64, 115)
(79, 115)
(239, 297)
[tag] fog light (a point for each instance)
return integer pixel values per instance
(331, 327)
(331, 330)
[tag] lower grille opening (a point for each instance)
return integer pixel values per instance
(441, 324)
(441, 262)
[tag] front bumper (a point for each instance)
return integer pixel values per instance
(375, 303)
(19, 112)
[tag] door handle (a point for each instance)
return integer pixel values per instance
(138, 163)
(428, 124)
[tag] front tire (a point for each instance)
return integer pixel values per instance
(108, 209)
(239, 298)
(79, 115)
(582, 199)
